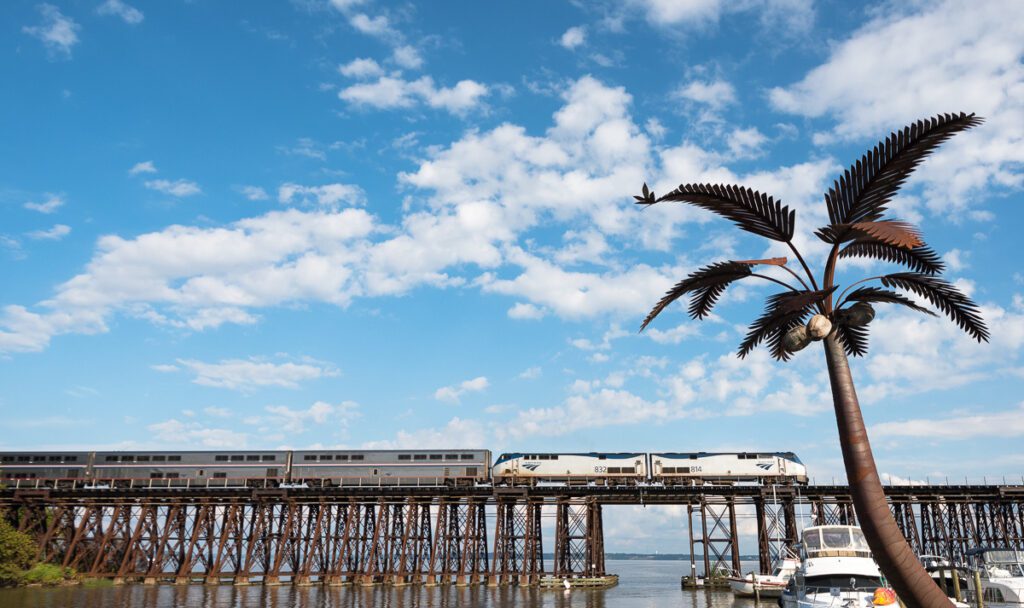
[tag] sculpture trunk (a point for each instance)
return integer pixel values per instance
(894, 556)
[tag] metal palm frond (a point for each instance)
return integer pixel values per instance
(749, 209)
(888, 232)
(854, 339)
(919, 259)
(784, 311)
(884, 296)
(707, 284)
(944, 296)
(865, 189)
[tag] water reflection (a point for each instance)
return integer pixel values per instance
(643, 584)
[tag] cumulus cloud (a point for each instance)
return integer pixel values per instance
(251, 374)
(281, 421)
(119, 8)
(458, 432)
(177, 433)
(57, 32)
(179, 188)
(328, 196)
(56, 233)
(454, 393)
(914, 61)
(146, 166)
(390, 92)
(363, 67)
(407, 56)
(963, 426)
(573, 37)
(52, 203)
(254, 193)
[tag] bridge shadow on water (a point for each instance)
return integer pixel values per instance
(643, 584)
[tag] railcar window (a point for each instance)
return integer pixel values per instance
(419, 457)
(39, 458)
(172, 476)
(109, 459)
(342, 457)
(404, 457)
(155, 475)
(436, 456)
(220, 475)
(71, 458)
(8, 459)
(159, 458)
(466, 456)
(237, 457)
(451, 456)
(357, 457)
(221, 458)
(668, 470)
(252, 457)
(143, 458)
(23, 459)
(54, 458)
(326, 457)
(269, 458)
(127, 458)
(174, 458)
(309, 457)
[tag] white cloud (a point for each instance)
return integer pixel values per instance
(179, 188)
(129, 14)
(466, 434)
(531, 373)
(407, 56)
(281, 421)
(51, 204)
(374, 26)
(305, 147)
(217, 412)
(254, 193)
(914, 61)
(177, 433)
(453, 394)
(746, 143)
(964, 426)
(393, 92)
(251, 374)
(717, 94)
(361, 68)
(573, 37)
(57, 32)
(327, 196)
(146, 166)
(522, 310)
(56, 233)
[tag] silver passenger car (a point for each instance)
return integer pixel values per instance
(390, 467)
(171, 469)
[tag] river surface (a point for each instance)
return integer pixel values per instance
(642, 584)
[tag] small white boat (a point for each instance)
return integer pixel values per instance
(1002, 576)
(765, 585)
(837, 570)
(941, 571)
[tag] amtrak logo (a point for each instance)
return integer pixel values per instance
(765, 466)
(531, 466)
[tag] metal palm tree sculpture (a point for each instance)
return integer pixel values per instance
(808, 312)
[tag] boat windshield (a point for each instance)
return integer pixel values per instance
(1004, 563)
(835, 540)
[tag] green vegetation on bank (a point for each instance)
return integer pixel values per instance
(18, 564)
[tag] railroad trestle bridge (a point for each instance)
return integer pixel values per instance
(460, 536)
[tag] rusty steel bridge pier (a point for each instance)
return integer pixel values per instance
(439, 536)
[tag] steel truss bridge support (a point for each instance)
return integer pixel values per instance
(579, 539)
(518, 543)
(401, 536)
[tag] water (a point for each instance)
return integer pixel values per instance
(642, 584)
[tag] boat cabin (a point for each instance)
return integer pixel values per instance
(835, 541)
(998, 563)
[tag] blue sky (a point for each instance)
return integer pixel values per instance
(359, 223)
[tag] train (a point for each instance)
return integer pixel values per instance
(340, 468)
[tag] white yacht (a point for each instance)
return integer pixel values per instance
(1002, 576)
(837, 571)
(941, 570)
(765, 585)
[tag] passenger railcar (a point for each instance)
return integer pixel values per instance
(679, 468)
(390, 467)
(607, 468)
(166, 468)
(51, 467)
